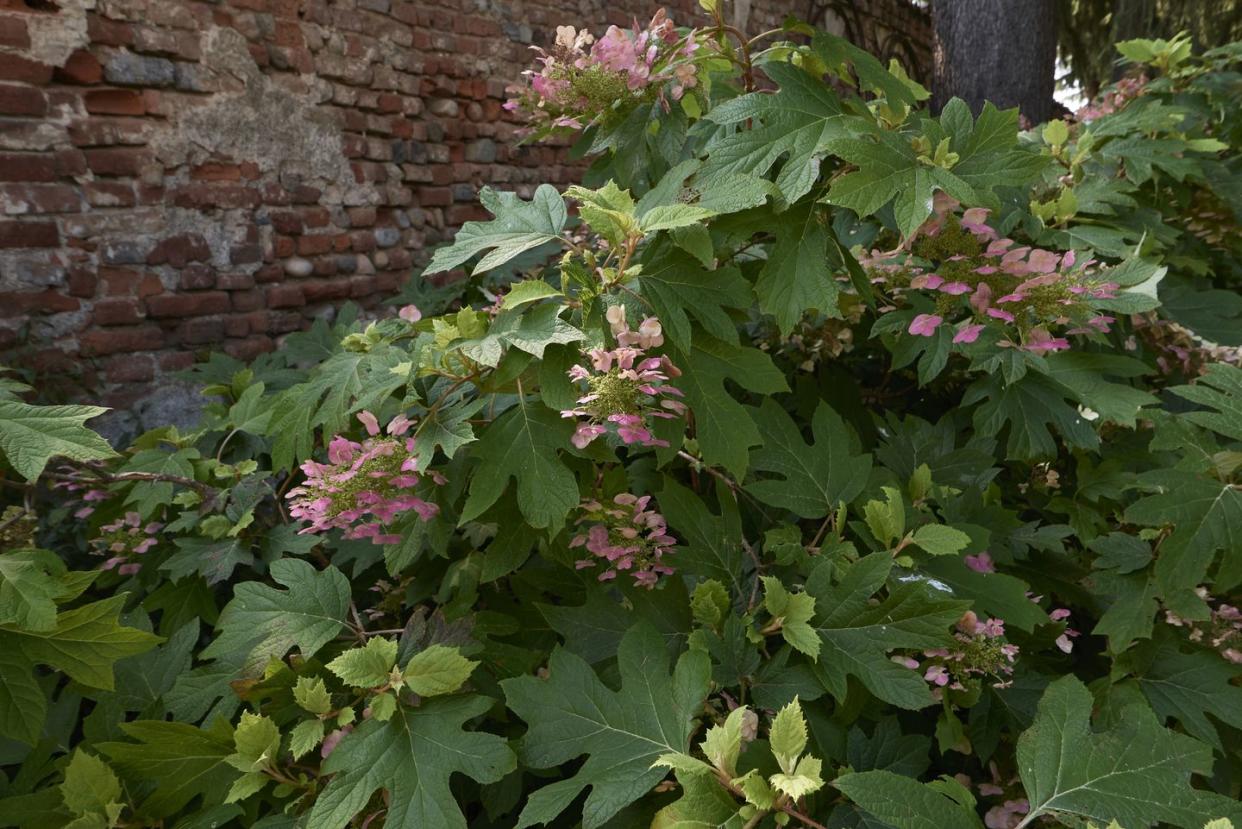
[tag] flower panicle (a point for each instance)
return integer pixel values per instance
(365, 485)
(624, 536)
(625, 388)
(125, 541)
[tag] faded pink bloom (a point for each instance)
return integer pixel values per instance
(410, 314)
(981, 563)
(624, 536)
(925, 325)
(968, 333)
(955, 288)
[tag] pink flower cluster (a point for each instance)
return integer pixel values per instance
(364, 486)
(1009, 813)
(124, 540)
(1113, 99)
(982, 563)
(624, 388)
(1222, 631)
(976, 280)
(625, 536)
(583, 80)
(981, 651)
(76, 481)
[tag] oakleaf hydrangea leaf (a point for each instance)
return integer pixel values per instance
(572, 712)
(32, 435)
(517, 227)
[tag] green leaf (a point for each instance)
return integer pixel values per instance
(304, 737)
(262, 622)
(524, 443)
(723, 742)
(710, 602)
(680, 288)
(184, 761)
(1206, 515)
(1029, 408)
(214, 559)
(531, 330)
(84, 643)
(1137, 773)
(526, 292)
(704, 804)
(1190, 686)
(437, 670)
(256, 741)
(796, 278)
(904, 803)
(803, 780)
(670, 216)
(794, 610)
(312, 695)
(887, 519)
(940, 540)
(90, 787)
(32, 435)
(802, 122)
(787, 736)
(870, 73)
(812, 480)
(368, 666)
(518, 226)
(31, 582)
(411, 757)
(571, 712)
(857, 635)
(1219, 389)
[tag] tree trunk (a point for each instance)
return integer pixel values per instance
(1003, 51)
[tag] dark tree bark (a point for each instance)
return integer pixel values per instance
(1003, 51)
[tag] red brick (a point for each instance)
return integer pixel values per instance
(121, 340)
(176, 361)
(82, 282)
(197, 277)
(39, 302)
(13, 32)
(216, 172)
(188, 305)
(119, 281)
(236, 327)
(117, 312)
(361, 216)
(109, 32)
(201, 331)
(285, 296)
(247, 300)
(282, 322)
(251, 347)
(82, 69)
(133, 368)
(314, 245)
(316, 217)
(27, 167)
(180, 250)
(42, 198)
(235, 281)
(435, 196)
(16, 68)
(287, 223)
(115, 102)
(70, 162)
(226, 196)
(29, 235)
(321, 290)
(22, 100)
(117, 161)
(105, 132)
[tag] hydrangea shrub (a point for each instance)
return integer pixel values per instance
(817, 462)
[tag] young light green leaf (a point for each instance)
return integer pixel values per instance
(312, 695)
(256, 741)
(940, 540)
(304, 737)
(887, 519)
(368, 666)
(794, 611)
(805, 779)
(788, 736)
(437, 670)
(723, 742)
(91, 788)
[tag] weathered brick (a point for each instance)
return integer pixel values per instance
(128, 69)
(180, 250)
(201, 330)
(115, 102)
(117, 312)
(13, 32)
(22, 100)
(27, 167)
(285, 296)
(132, 368)
(82, 68)
(197, 277)
(188, 305)
(121, 340)
(23, 199)
(29, 235)
(14, 67)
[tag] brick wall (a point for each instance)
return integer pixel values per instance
(180, 176)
